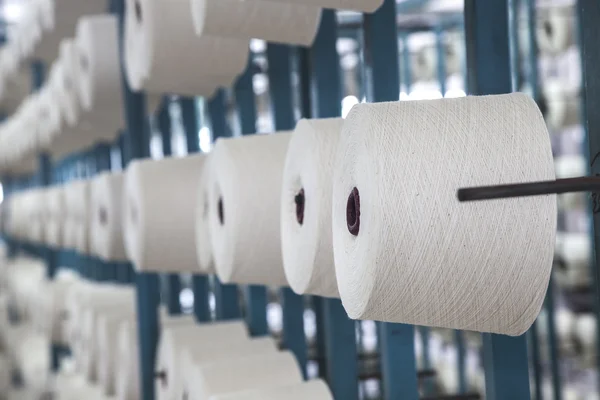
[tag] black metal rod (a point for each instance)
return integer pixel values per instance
(582, 184)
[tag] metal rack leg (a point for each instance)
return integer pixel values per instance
(489, 72)
(200, 283)
(279, 58)
(340, 348)
(323, 74)
(173, 281)
(398, 364)
(553, 343)
(459, 339)
(147, 304)
(535, 360)
(294, 338)
(227, 301)
(255, 296)
(137, 145)
(201, 289)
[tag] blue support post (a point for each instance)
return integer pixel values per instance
(441, 59)
(553, 342)
(200, 283)
(398, 364)
(515, 54)
(226, 295)
(425, 332)
(532, 62)
(173, 280)
(137, 143)
(280, 87)
(489, 72)
(459, 339)
(339, 330)
(255, 296)
(406, 71)
(535, 361)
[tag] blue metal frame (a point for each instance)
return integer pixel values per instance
(398, 364)
(489, 72)
(173, 282)
(255, 296)
(200, 283)
(137, 143)
(279, 58)
(322, 78)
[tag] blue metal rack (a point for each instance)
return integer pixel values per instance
(489, 67)
(398, 364)
(279, 58)
(255, 297)
(489, 72)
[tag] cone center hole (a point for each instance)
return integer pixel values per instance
(300, 200)
(221, 211)
(353, 212)
(103, 215)
(138, 11)
(548, 28)
(162, 376)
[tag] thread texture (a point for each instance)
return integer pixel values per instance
(423, 258)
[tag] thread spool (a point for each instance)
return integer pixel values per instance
(203, 236)
(202, 354)
(159, 228)
(107, 330)
(106, 217)
(306, 238)
(570, 166)
(5, 374)
(388, 218)
(59, 290)
(59, 19)
(122, 307)
(167, 373)
(132, 59)
(574, 250)
(68, 84)
(555, 31)
(314, 389)
(245, 225)
(255, 372)
(423, 63)
(166, 34)
(295, 24)
(585, 332)
(99, 70)
(565, 324)
(127, 373)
